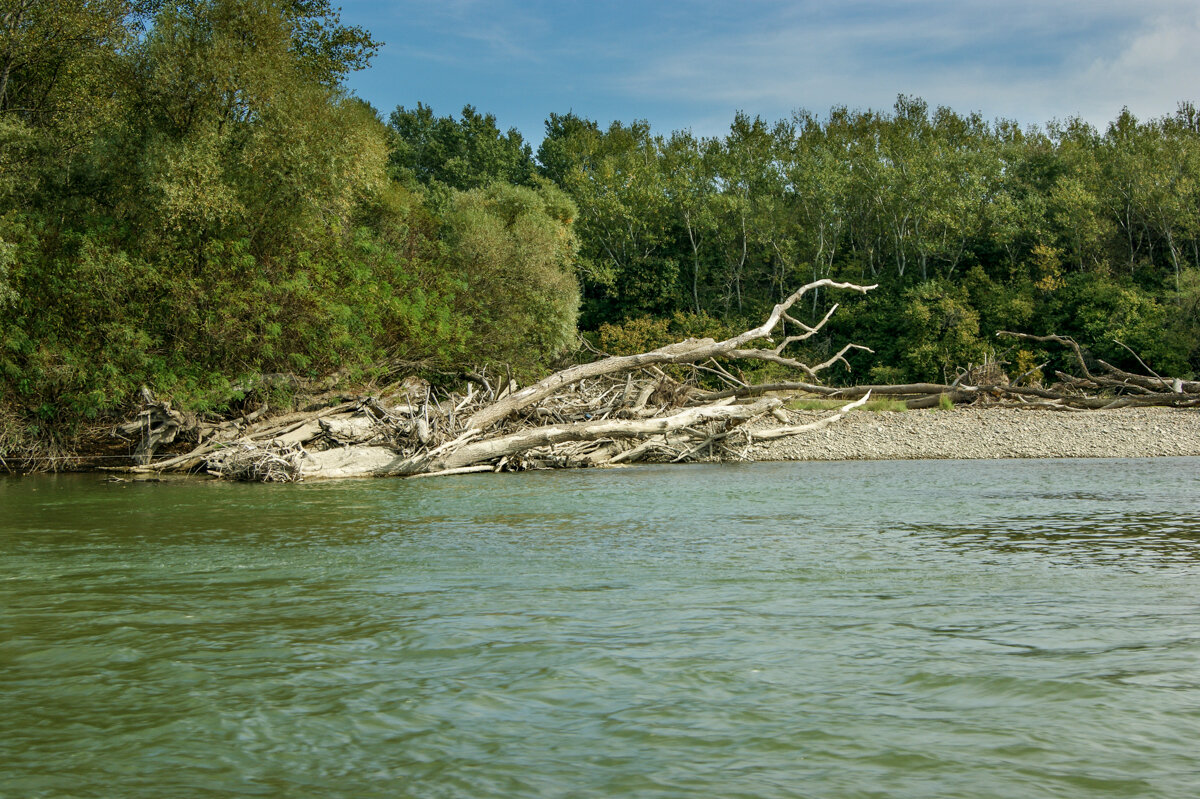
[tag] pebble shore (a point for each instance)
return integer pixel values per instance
(973, 433)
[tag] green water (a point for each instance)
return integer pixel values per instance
(924, 629)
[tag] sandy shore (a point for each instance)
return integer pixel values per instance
(991, 433)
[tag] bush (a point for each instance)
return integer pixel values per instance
(645, 333)
(940, 330)
(1099, 311)
(514, 250)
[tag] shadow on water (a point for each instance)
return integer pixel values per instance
(1134, 541)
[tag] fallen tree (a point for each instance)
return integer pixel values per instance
(1101, 386)
(614, 410)
(610, 411)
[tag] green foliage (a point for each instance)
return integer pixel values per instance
(325, 49)
(466, 153)
(640, 334)
(1103, 311)
(1184, 328)
(883, 375)
(967, 227)
(616, 179)
(940, 329)
(644, 333)
(206, 205)
(514, 251)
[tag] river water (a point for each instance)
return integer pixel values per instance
(916, 629)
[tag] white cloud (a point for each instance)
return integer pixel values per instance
(1158, 66)
(691, 64)
(1026, 60)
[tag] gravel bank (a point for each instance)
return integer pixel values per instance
(971, 433)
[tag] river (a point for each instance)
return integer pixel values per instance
(865, 629)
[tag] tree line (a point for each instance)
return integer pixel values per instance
(189, 197)
(968, 226)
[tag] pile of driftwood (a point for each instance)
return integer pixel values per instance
(615, 410)
(1099, 387)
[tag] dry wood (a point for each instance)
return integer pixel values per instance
(495, 448)
(156, 424)
(583, 415)
(689, 351)
(615, 410)
(1088, 391)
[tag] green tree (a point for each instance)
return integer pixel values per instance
(690, 189)
(463, 154)
(201, 174)
(818, 174)
(61, 83)
(940, 331)
(751, 186)
(615, 178)
(514, 251)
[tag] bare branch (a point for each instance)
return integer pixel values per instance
(689, 351)
(1066, 341)
(782, 432)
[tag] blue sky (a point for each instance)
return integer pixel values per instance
(693, 64)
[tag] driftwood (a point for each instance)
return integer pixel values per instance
(1098, 386)
(611, 411)
(607, 412)
(155, 425)
(274, 463)
(685, 352)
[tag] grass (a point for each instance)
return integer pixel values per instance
(881, 405)
(885, 405)
(815, 405)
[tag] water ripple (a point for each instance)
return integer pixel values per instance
(779, 630)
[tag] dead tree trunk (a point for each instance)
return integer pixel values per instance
(690, 351)
(614, 410)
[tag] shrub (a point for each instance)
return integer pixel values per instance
(514, 250)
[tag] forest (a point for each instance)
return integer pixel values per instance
(191, 201)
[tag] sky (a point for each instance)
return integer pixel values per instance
(693, 64)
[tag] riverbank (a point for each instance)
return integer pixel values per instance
(982, 433)
(335, 448)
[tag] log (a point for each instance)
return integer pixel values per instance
(689, 351)
(495, 448)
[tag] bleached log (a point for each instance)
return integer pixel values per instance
(524, 440)
(354, 430)
(684, 352)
